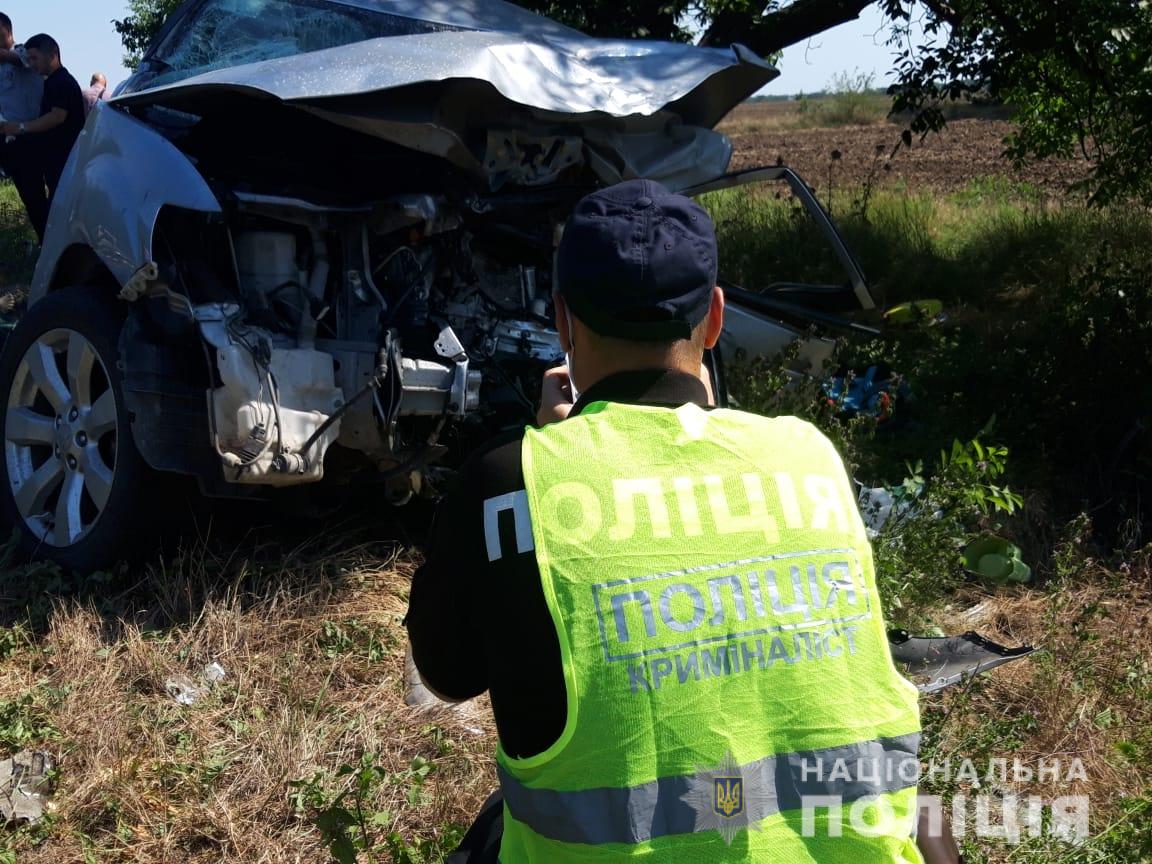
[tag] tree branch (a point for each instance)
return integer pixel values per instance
(945, 12)
(767, 34)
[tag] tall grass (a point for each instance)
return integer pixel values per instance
(978, 247)
(1049, 331)
(849, 101)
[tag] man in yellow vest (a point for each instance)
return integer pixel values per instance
(674, 608)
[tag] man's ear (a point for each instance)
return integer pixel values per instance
(715, 318)
(561, 316)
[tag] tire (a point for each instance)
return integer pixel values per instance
(71, 480)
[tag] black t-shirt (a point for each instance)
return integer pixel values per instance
(477, 618)
(61, 90)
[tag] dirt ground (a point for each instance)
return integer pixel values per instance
(947, 162)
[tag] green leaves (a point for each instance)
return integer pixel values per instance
(140, 26)
(350, 820)
(968, 470)
(1079, 75)
(13, 639)
(25, 720)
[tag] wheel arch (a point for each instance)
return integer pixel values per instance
(80, 265)
(121, 175)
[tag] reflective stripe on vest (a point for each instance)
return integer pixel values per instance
(771, 785)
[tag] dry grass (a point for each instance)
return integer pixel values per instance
(1095, 643)
(1087, 697)
(313, 646)
(314, 655)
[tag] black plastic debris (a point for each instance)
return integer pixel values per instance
(941, 661)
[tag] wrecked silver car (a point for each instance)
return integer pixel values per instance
(312, 240)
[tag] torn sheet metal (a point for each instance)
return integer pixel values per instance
(939, 662)
(25, 785)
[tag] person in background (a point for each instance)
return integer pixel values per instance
(21, 89)
(96, 91)
(51, 135)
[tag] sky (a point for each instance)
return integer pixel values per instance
(88, 43)
(856, 48)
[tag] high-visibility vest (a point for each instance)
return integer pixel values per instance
(730, 692)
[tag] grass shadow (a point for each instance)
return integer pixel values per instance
(242, 554)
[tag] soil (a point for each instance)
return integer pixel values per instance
(947, 162)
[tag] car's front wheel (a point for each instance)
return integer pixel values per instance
(73, 482)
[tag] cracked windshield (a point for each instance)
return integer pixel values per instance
(230, 33)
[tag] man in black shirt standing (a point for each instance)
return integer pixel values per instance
(56, 129)
(21, 89)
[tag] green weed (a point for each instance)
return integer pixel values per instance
(25, 720)
(350, 823)
(357, 639)
(13, 639)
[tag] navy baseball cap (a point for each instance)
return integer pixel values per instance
(638, 262)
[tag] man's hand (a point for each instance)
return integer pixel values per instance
(41, 124)
(555, 396)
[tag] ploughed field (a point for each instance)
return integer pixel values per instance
(770, 133)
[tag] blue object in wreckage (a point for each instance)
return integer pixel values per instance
(871, 394)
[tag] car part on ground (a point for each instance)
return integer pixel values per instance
(26, 784)
(939, 662)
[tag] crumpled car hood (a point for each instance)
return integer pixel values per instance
(576, 75)
(518, 83)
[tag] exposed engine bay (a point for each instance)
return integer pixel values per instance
(346, 320)
(375, 315)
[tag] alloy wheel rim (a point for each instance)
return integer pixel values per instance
(60, 437)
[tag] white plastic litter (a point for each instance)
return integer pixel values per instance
(183, 689)
(875, 507)
(188, 692)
